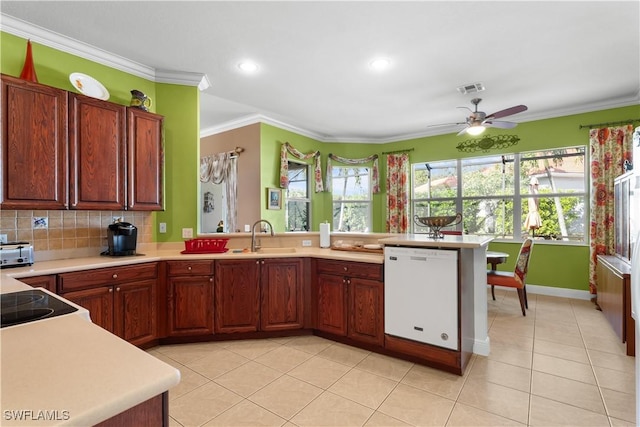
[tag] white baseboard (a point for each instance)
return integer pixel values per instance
(481, 347)
(555, 292)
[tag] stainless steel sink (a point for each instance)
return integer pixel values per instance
(276, 250)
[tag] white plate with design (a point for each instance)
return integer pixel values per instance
(89, 86)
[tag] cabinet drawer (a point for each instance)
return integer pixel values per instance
(190, 268)
(351, 269)
(106, 276)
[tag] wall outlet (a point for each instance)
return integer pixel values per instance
(306, 243)
(163, 227)
(3, 238)
(187, 233)
(247, 228)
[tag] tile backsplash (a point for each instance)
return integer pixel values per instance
(69, 229)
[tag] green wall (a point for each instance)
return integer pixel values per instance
(178, 104)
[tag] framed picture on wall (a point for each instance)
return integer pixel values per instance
(274, 198)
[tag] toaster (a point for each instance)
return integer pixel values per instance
(16, 254)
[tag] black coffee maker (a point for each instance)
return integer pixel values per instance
(122, 238)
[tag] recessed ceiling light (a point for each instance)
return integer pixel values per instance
(248, 66)
(380, 64)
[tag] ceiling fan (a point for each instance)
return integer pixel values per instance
(478, 121)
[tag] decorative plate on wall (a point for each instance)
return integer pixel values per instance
(89, 86)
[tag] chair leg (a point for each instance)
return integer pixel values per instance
(493, 292)
(522, 303)
(526, 302)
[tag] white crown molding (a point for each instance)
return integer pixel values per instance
(183, 78)
(584, 108)
(259, 118)
(45, 37)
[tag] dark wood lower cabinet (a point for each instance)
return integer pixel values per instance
(614, 298)
(190, 298)
(282, 294)
(122, 300)
(48, 282)
(152, 412)
(237, 290)
(350, 300)
(190, 305)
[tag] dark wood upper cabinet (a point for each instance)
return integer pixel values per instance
(33, 145)
(144, 160)
(63, 150)
(97, 137)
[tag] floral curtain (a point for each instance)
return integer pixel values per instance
(374, 173)
(284, 166)
(222, 168)
(397, 193)
(610, 147)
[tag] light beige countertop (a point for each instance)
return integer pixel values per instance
(76, 371)
(171, 252)
(448, 241)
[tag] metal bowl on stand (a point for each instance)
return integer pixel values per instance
(437, 223)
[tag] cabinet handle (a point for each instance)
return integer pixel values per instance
(345, 268)
(189, 268)
(115, 276)
(110, 289)
(257, 262)
(117, 289)
(211, 279)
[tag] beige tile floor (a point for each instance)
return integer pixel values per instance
(562, 364)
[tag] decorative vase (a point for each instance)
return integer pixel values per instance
(28, 70)
(140, 100)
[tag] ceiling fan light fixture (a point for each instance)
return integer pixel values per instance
(475, 130)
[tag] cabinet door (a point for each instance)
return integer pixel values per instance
(48, 282)
(366, 310)
(99, 302)
(237, 291)
(34, 146)
(134, 311)
(97, 148)
(332, 304)
(144, 160)
(281, 293)
(190, 305)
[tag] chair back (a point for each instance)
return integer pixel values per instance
(522, 264)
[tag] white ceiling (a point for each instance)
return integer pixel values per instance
(556, 57)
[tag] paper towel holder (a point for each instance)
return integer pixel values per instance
(325, 236)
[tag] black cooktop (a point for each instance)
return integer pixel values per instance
(29, 305)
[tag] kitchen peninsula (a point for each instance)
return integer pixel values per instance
(472, 268)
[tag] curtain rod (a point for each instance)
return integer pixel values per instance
(397, 151)
(621, 122)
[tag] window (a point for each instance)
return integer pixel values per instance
(539, 193)
(298, 212)
(351, 198)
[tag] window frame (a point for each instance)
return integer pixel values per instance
(307, 200)
(518, 196)
(368, 202)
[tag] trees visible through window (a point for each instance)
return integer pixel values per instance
(351, 193)
(298, 201)
(538, 193)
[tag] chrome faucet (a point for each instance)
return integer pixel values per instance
(255, 247)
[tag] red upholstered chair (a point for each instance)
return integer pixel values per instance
(515, 279)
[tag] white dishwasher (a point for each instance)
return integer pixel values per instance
(421, 295)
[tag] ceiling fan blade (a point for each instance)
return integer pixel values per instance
(463, 131)
(446, 124)
(507, 112)
(500, 124)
